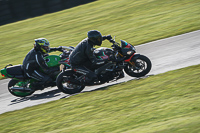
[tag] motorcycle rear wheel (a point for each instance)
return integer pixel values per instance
(65, 85)
(18, 93)
(141, 68)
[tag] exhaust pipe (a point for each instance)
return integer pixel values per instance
(20, 89)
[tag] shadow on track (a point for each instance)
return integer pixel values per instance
(107, 86)
(45, 95)
(56, 92)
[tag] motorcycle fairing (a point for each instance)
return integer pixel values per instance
(125, 47)
(52, 60)
(103, 53)
(65, 61)
(4, 73)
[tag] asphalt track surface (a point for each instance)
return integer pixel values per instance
(166, 54)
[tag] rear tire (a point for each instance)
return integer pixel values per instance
(141, 68)
(64, 84)
(14, 83)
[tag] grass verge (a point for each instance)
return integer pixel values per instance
(136, 21)
(164, 103)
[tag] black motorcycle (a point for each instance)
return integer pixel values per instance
(123, 57)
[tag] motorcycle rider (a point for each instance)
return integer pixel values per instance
(83, 53)
(34, 60)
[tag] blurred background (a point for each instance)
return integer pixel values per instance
(66, 22)
(15, 10)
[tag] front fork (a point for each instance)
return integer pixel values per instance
(132, 63)
(132, 59)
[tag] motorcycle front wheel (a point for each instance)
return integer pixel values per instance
(142, 66)
(66, 85)
(15, 88)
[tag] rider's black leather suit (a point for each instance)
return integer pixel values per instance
(83, 53)
(32, 63)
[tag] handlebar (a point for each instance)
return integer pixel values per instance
(70, 47)
(112, 41)
(63, 48)
(115, 44)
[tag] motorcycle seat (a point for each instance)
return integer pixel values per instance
(15, 71)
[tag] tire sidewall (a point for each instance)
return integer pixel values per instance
(146, 71)
(59, 81)
(13, 82)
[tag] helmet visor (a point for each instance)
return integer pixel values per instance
(99, 41)
(45, 49)
(46, 44)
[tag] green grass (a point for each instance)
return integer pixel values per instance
(136, 21)
(165, 103)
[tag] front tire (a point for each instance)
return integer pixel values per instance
(65, 85)
(13, 83)
(142, 66)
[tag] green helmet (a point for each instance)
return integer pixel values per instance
(42, 45)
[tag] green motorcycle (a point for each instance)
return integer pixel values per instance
(20, 85)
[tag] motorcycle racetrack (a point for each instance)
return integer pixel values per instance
(166, 54)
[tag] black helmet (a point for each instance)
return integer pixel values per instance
(95, 37)
(42, 45)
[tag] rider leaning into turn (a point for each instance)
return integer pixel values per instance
(84, 53)
(34, 60)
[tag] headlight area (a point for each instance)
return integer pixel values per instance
(130, 52)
